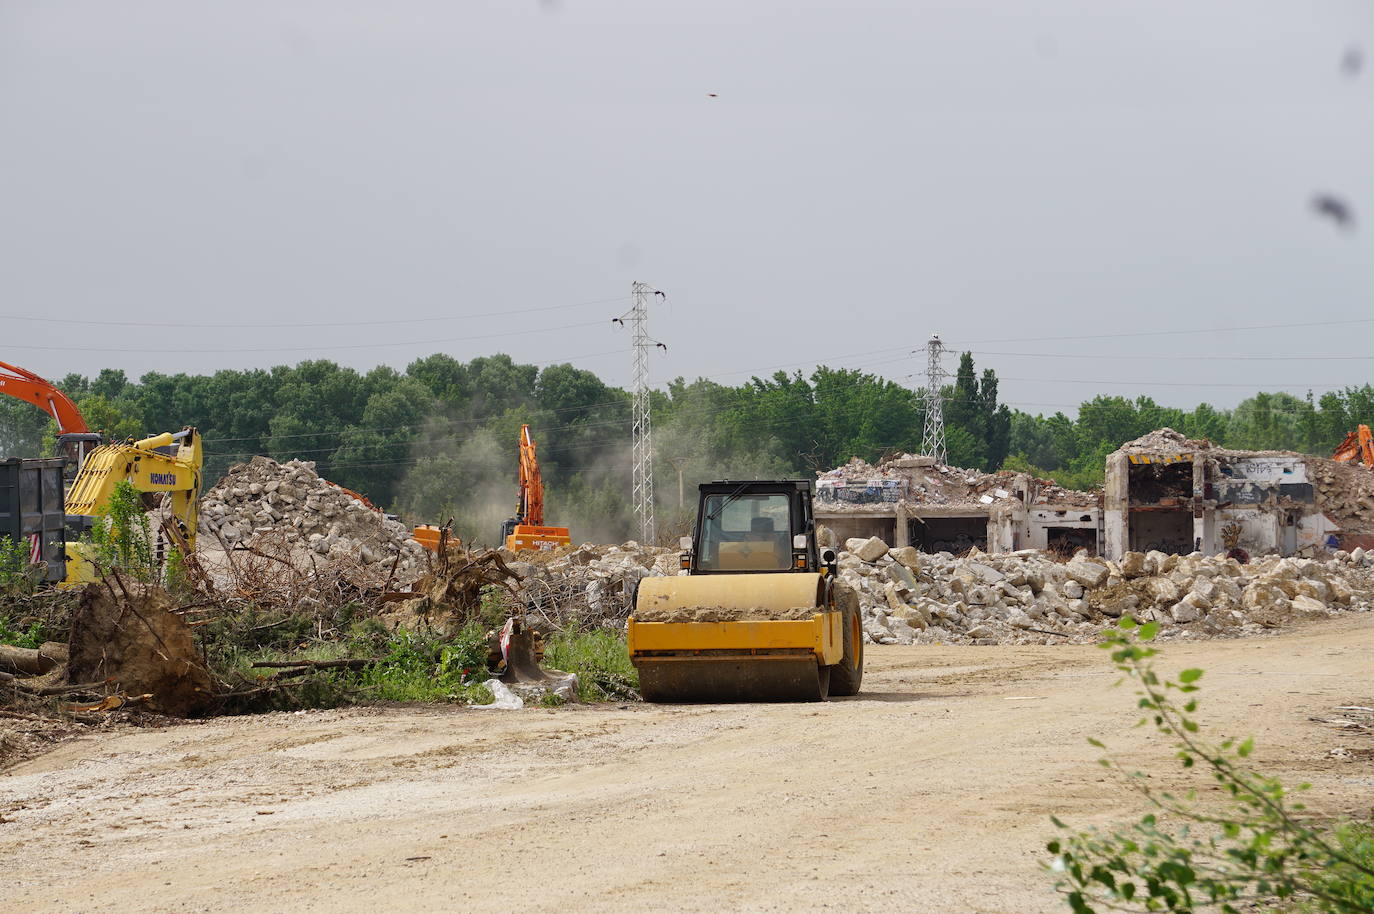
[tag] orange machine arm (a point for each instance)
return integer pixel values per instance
(1357, 446)
(28, 386)
(531, 508)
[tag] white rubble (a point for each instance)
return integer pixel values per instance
(289, 507)
(1030, 597)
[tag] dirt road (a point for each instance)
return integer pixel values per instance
(929, 792)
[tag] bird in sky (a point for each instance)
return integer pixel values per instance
(1352, 61)
(712, 95)
(1335, 209)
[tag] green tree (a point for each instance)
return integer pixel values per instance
(374, 455)
(25, 430)
(1268, 422)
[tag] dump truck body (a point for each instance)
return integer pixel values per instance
(32, 512)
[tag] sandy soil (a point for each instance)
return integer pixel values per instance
(931, 791)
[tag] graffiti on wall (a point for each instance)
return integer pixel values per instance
(860, 492)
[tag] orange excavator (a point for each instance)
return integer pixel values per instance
(74, 438)
(1358, 446)
(526, 529)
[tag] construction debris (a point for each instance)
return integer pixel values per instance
(921, 481)
(1172, 493)
(290, 512)
(451, 591)
(1029, 597)
(592, 584)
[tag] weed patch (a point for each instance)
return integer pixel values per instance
(600, 659)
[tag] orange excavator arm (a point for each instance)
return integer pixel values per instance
(1357, 446)
(27, 386)
(526, 529)
(531, 507)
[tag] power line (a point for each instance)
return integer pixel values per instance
(1193, 358)
(331, 323)
(1194, 330)
(311, 348)
(1253, 386)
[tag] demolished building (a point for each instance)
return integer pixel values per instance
(912, 500)
(1178, 495)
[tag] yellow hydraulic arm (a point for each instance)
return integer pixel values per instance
(145, 465)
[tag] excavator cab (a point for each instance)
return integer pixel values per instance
(759, 615)
(76, 447)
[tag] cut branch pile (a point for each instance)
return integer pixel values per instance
(451, 590)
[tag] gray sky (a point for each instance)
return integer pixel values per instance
(867, 174)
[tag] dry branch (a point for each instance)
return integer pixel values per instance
(348, 663)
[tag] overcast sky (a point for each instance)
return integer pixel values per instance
(808, 183)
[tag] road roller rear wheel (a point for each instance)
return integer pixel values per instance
(847, 675)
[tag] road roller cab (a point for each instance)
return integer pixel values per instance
(759, 615)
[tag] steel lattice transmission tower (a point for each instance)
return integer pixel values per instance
(933, 439)
(641, 426)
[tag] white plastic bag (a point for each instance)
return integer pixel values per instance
(505, 699)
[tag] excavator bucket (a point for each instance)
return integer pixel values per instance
(718, 638)
(518, 649)
(1347, 450)
(1358, 447)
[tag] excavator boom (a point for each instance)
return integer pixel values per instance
(531, 483)
(74, 438)
(526, 529)
(170, 463)
(27, 386)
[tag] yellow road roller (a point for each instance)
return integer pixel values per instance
(760, 614)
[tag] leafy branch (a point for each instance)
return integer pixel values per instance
(1257, 848)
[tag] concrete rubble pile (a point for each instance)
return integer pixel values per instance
(1027, 597)
(590, 581)
(920, 480)
(1346, 491)
(265, 504)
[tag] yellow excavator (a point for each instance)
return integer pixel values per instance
(170, 462)
(760, 614)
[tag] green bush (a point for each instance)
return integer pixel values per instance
(410, 666)
(31, 636)
(1258, 848)
(122, 538)
(600, 659)
(16, 571)
(419, 668)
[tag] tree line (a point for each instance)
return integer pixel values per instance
(437, 440)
